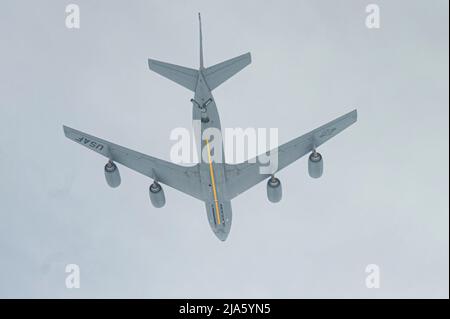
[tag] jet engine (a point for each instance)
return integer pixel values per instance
(274, 190)
(157, 196)
(315, 165)
(112, 174)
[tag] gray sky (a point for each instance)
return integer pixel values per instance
(383, 198)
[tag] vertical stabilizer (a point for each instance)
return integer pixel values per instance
(201, 40)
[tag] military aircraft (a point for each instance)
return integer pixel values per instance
(214, 182)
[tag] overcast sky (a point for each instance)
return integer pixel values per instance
(383, 198)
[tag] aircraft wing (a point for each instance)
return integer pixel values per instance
(184, 179)
(241, 177)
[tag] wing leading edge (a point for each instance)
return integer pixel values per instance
(184, 179)
(241, 177)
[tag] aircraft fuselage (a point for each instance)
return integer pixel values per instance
(212, 174)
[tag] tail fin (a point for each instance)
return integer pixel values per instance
(201, 40)
(214, 75)
(219, 73)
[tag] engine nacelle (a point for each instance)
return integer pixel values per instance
(315, 165)
(112, 174)
(157, 196)
(274, 190)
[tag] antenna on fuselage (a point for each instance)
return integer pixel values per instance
(201, 40)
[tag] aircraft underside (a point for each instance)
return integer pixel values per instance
(211, 181)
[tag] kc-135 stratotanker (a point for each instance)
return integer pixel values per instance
(214, 182)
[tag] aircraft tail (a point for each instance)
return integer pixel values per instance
(179, 74)
(219, 73)
(214, 75)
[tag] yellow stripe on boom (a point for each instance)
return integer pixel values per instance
(213, 182)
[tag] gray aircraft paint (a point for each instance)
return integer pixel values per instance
(216, 183)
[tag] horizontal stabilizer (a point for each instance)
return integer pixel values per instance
(179, 74)
(219, 73)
